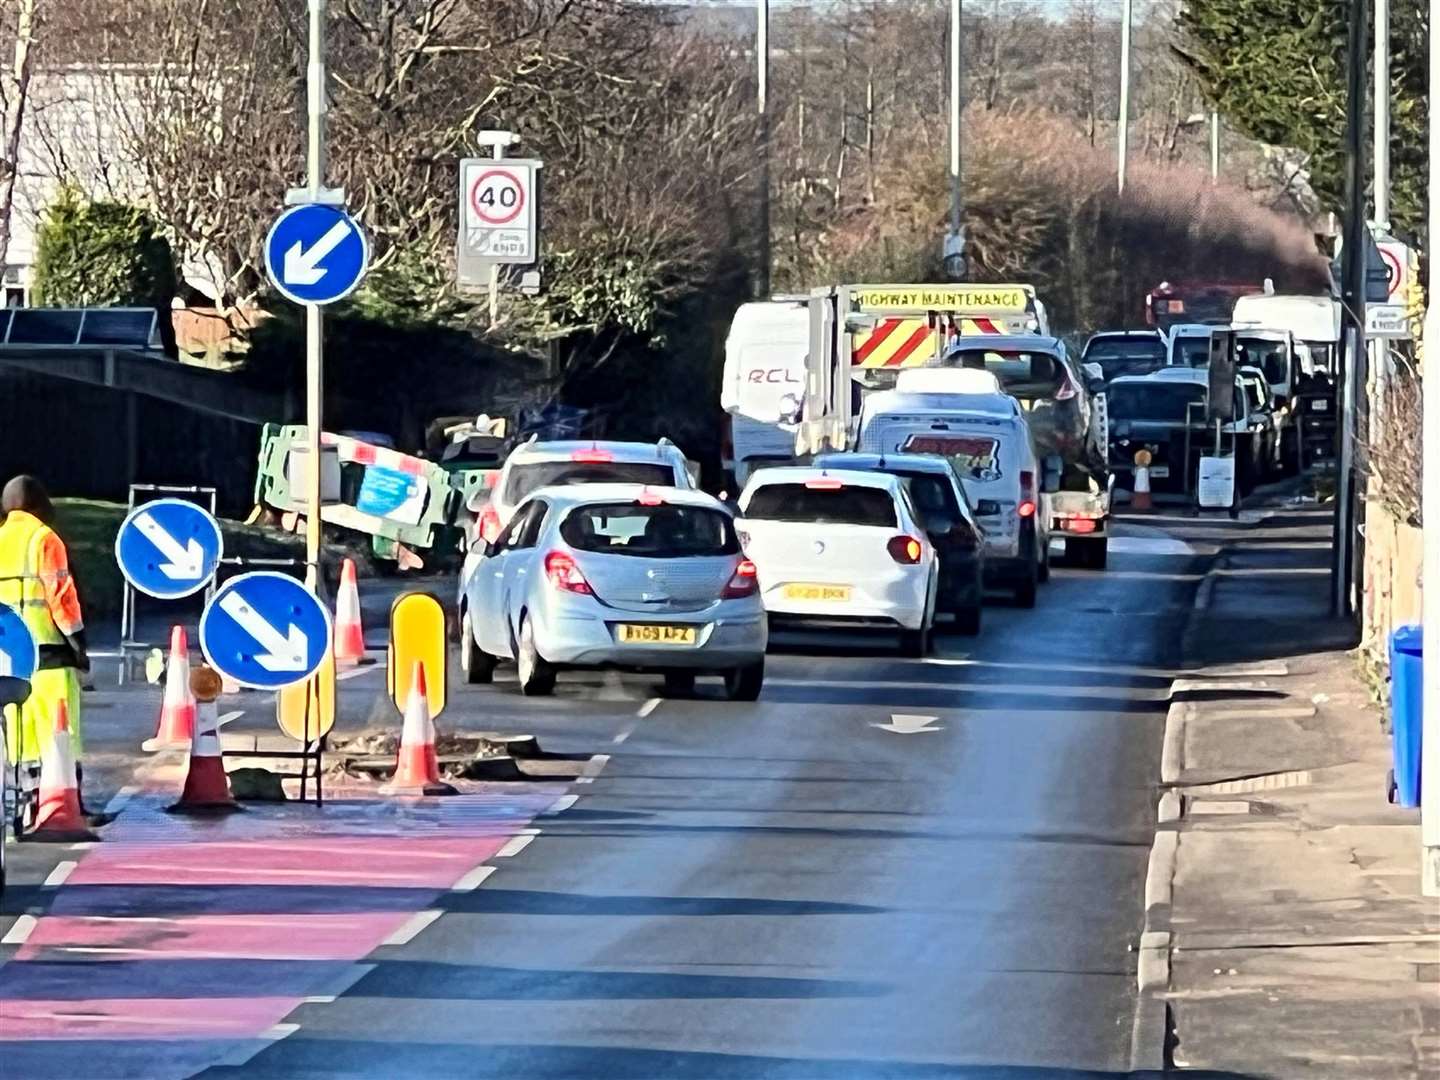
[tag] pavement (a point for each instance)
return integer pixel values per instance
(883, 868)
(1298, 942)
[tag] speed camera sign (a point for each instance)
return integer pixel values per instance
(498, 218)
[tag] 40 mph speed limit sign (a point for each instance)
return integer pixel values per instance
(498, 215)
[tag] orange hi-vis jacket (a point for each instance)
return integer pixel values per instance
(45, 594)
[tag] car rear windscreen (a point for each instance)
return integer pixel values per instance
(1126, 356)
(975, 457)
(657, 532)
(1022, 374)
(1155, 401)
(527, 478)
(822, 506)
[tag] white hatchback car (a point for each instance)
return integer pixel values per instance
(617, 575)
(840, 548)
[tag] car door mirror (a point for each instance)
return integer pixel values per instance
(987, 508)
(1050, 474)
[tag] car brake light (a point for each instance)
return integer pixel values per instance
(905, 550)
(1026, 508)
(561, 571)
(649, 498)
(1067, 389)
(592, 456)
(489, 523)
(1078, 525)
(742, 583)
(824, 483)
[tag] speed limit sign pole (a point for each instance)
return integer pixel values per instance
(501, 141)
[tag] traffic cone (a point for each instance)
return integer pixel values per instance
(207, 787)
(349, 633)
(59, 816)
(1140, 497)
(417, 772)
(177, 709)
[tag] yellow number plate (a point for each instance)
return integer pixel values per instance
(642, 634)
(817, 592)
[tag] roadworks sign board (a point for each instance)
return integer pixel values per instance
(499, 216)
(959, 298)
(417, 632)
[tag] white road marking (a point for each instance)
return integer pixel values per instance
(622, 736)
(413, 926)
(472, 880)
(17, 934)
(355, 673)
(517, 843)
(225, 718)
(120, 798)
(60, 873)
(649, 707)
(560, 805)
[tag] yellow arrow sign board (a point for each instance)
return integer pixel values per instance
(306, 710)
(964, 298)
(417, 632)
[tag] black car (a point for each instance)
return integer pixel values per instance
(939, 499)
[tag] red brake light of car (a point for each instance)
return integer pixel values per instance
(824, 483)
(561, 572)
(1067, 389)
(489, 524)
(649, 498)
(905, 550)
(1026, 508)
(1078, 525)
(592, 457)
(742, 583)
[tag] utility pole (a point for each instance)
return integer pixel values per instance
(762, 91)
(314, 320)
(1381, 134)
(1430, 507)
(1351, 369)
(1122, 134)
(953, 250)
(1214, 146)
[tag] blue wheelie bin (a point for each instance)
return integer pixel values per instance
(1406, 673)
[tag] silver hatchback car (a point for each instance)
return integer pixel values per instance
(616, 575)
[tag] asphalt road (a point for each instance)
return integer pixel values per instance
(787, 889)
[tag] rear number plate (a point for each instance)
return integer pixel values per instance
(1159, 471)
(645, 634)
(838, 593)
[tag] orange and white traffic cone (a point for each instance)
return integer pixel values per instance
(1140, 497)
(177, 709)
(349, 633)
(207, 787)
(417, 772)
(59, 816)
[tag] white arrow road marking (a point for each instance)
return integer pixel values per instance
(283, 652)
(186, 562)
(302, 267)
(905, 724)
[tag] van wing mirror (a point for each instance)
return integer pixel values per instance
(1051, 468)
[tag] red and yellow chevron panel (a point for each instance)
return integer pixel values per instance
(895, 343)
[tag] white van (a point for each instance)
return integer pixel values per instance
(1312, 320)
(764, 382)
(987, 438)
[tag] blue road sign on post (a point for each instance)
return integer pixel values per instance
(168, 548)
(265, 630)
(18, 654)
(316, 253)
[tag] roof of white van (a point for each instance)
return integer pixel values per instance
(989, 406)
(1310, 318)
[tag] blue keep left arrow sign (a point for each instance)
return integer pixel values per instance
(169, 548)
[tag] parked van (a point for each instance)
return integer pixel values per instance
(986, 436)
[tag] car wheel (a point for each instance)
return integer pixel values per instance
(967, 620)
(679, 683)
(915, 643)
(1026, 588)
(476, 665)
(537, 678)
(743, 684)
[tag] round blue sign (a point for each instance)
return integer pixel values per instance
(316, 254)
(265, 630)
(18, 653)
(169, 548)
